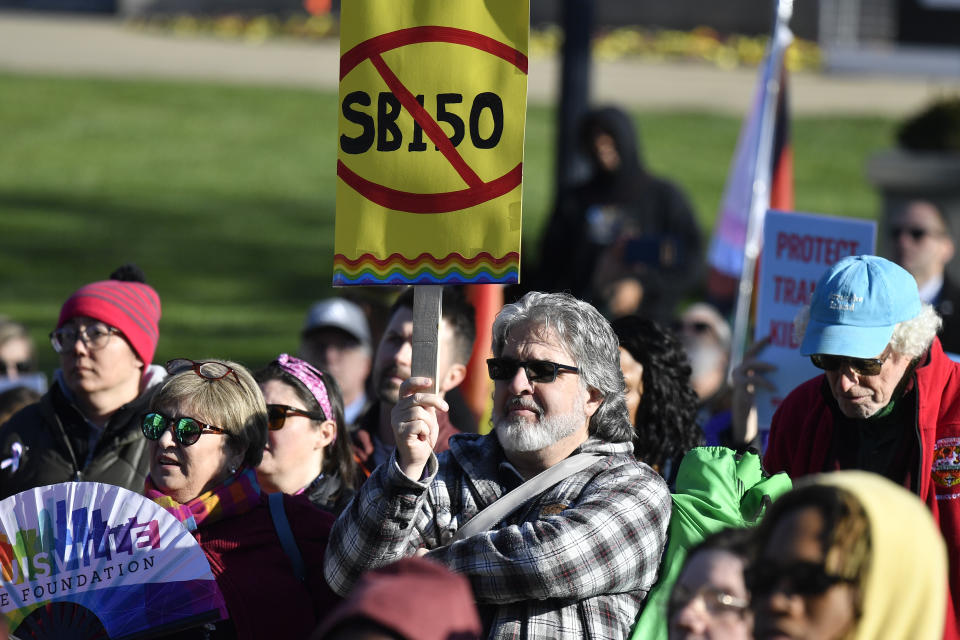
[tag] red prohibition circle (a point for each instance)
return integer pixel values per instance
(477, 191)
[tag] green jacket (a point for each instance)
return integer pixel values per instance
(716, 488)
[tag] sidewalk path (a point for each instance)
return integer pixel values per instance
(57, 44)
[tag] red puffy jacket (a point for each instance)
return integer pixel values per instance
(802, 431)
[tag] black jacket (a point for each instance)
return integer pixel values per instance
(55, 439)
(948, 306)
(329, 493)
(663, 243)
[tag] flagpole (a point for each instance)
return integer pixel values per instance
(760, 195)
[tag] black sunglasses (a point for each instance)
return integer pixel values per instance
(799, 578)
(535, 370)
(697, 327)
(862, 366)
(22, 367)
(186, 431)
(277, 415)
(916, 233)
(206, 369)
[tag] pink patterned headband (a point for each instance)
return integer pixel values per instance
(311, 378)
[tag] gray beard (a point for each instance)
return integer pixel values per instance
(520, 436)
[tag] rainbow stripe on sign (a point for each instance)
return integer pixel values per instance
(426, 269)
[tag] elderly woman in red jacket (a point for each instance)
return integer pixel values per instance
(208, 426)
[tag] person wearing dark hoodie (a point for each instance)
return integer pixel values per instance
(624, 239)
(87, 426)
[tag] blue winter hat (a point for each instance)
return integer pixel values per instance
(856, 305)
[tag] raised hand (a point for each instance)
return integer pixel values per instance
(414, 422)
(747, 377)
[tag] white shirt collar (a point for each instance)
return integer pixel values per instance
(931, 289)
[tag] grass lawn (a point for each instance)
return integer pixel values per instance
(225, 197)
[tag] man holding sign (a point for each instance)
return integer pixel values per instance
(578, 553)
(888, 401)
(373, 438)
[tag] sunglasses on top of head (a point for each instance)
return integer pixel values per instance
(277, 415)
(862, 366)
(535, 370)
(186, 430)
(206, 369)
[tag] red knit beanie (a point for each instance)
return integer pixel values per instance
(131, 307)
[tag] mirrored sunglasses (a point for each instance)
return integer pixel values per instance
(277, 415)
(186, 430)
(862, 366)
(535, 370)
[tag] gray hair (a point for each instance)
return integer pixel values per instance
(589, 339)
(236, 405)
(911, 338)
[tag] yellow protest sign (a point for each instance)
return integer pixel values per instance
(432, 111)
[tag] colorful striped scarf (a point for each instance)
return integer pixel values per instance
(238, 494)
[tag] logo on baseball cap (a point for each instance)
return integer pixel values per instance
(856, 305)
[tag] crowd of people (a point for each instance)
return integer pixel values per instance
(618, 491)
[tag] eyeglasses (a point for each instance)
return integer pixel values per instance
(535, 370)
(915, 233)
(799, 578)
(20, 367)
(186, 430)
(717, 601)
(862, 366)
(93, 337)
(206, 369)
(277, 415)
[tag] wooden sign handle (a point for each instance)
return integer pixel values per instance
(427, 301)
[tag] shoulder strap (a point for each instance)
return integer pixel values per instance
(507, 504)
(287, 541)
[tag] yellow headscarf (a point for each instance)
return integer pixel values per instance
(905, 594)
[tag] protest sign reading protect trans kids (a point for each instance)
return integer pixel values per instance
(101, 560)
(430, 160)
(797, 249)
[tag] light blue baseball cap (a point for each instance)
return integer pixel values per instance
(856, 305)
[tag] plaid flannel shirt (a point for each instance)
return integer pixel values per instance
(576, 561)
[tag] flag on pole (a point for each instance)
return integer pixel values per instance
(781, 189)
(762, 167)
(749, 176)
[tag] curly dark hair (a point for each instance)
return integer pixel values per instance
(665, 426)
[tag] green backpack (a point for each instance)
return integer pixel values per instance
(717, 488)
